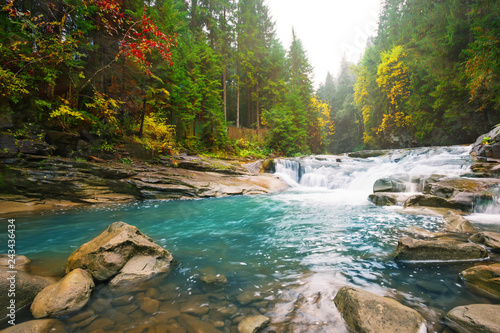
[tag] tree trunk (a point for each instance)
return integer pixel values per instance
(238, 106)
(257, 111)
(224, 92)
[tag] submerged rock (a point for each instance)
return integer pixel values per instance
(253, 324)
(37, 326)
(106, 255)
(20, 263)
(214, 279)
(437, 249)
(484, 279)
(457, 223)
(490, 239)
(194, 325)
(481, 318)
(365, 312)
(71, 293)
(27, 286)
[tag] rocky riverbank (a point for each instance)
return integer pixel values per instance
(37, 182)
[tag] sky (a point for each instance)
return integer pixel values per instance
(327, 29)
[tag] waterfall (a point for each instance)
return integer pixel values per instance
(411, 166)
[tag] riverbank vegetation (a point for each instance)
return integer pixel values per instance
(171, 75)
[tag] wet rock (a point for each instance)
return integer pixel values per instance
(428, 200)
(365, 312)
(122, 300)
(194, 325)
(368, 153)
(391, 184)
(480, 318)
(70, 294)
(81, 316)
(419, 232)
(37, 326)
(27, 286)
(9, 145)
(106, 255)
(195, 309)
(149, 305)
(214, 279)
(253, 324)
(457, 223)
(437, 250)
(140, 268)
(247, 297)
(34, 147)
(490, 239)
(100, 323)
(482, 146)
(388, 199)
(20, 262)
(484, 279)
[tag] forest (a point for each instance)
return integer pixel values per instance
(174, 74)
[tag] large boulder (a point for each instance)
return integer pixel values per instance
(484, 279)
(140, 268)
(37, 326)
(365, 312)
(480, 318)
(253, 324)
(105, 255)
(391, 184)
(70, 294)
(26, 287)
(457, 223)
(441, 249)
(488, 145)
(490, 239)
(20, 263)
(428, 200)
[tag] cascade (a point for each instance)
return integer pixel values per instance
(359, 174)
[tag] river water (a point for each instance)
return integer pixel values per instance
(285, 255)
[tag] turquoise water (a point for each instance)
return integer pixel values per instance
(284, 255)
(293, 250)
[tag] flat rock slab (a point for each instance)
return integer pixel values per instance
(457, 223)
(105, 255)
(70, 294)
(484, 279)
(478, 318)
(253, 324)
(365, 312)
(442, 249)
(490, 239)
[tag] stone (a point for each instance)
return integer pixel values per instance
(195, 309)
(480, 318)
(140, 268)
(37, 326)
(70, 294)
(247, 297)
(382, 199)
(253, 324)
(8, 144)
(428, 200)
(484, 279)
(106, 255)
(442, 249)
(100, 323)
(149, 305)
(214, 279)
(268, 165)
(391, 184)
(194, 325)
(419, 232)
(34, 147)
(20, 262)
(365, 312)
(27, 286)
(457, 223)
(490, 239)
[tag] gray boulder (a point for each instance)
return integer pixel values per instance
(37, 326)
(106, 255)
(490, 239)
(27, 286)
(478, 318)
(457, 223)
(253, 324)
(365, 312)
(391, 184)
(441, 249)
(485, 279)
(70, 294)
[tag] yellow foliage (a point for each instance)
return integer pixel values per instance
(105, 108)
(158, 136)
(326, 124)
(398, 120)
(393, 75)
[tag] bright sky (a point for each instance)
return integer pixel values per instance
(327, 28)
